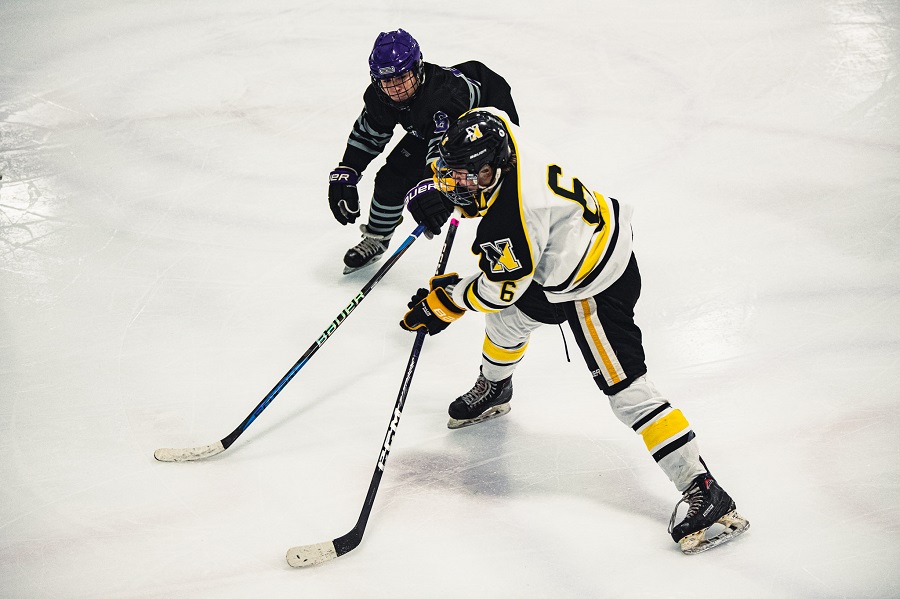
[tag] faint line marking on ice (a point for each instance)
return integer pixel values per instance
(805, 134)
(60, 106)
(145, 300)
(62, 498)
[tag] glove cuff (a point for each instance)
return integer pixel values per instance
(443, 306)
(422, 187)
(344, 175)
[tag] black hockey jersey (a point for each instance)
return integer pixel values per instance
(446, 93)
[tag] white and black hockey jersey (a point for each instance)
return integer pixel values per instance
(543, 224)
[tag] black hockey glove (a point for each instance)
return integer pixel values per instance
(428, 206)
(342, 195)
(434, 310)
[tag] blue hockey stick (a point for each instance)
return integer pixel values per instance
(188, 454)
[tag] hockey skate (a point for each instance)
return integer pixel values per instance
(366, 252)
(708, 504)
(484, 401)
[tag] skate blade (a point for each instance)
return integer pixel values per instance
(486, 415)
(349, 269)
(697, 542)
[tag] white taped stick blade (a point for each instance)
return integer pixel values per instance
(310, 555)
(188, 454)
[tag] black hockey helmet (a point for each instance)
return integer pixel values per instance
(477, 139)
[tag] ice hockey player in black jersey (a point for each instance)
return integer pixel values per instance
(552, 250)
(424, 99)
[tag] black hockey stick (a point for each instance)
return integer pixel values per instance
(310, 555)
(204, 451)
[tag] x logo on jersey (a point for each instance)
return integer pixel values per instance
(501, 256)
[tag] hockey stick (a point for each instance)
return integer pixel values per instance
(204, 451)
(310, 555)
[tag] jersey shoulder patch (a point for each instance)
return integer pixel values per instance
(502, 239)
(441, 122)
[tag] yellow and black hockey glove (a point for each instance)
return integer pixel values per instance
(434, 309)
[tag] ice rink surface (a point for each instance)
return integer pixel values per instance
(167, 254)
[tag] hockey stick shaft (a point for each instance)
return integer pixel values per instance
(308, 555)
(205, 451)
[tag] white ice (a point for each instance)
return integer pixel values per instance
(167, 254)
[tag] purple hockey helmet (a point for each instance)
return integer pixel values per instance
(395, 53)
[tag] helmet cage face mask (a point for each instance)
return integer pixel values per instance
(460, 194)
(394, 54)
(476, 140)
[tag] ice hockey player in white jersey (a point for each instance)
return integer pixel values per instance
(551, 250)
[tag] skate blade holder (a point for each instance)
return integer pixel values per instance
(728, 526)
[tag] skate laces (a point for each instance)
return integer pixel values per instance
(369, 246)
(693, 497)
(479, 392)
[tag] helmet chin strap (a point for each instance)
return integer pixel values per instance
(498, 174)
(485, 192)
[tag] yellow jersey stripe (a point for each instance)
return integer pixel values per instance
(599, 245)
(474, 300)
